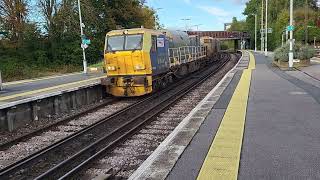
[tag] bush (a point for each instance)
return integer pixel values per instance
(299, 52)
(306, 52)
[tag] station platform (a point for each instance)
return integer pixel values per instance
(259, 122)
(23, 91)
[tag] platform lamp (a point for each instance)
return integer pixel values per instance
(266, 31)
(85, 65)
(185, 20)
(291, 36)
(255, 33)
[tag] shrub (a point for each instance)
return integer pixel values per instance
(299, 52)
(306, 52)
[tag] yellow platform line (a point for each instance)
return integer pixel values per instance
(73, 84)
(222, 160)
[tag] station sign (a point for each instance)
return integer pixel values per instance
(269, 30)
(84, 46)
(86, 41)
(290, 28)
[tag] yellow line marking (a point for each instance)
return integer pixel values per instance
(252, 63)
(222, 161)
(38, 79)
(48, 89)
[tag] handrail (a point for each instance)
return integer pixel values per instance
(186, 54)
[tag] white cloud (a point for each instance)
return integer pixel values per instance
(215, 11)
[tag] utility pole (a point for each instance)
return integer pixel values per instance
(291, 36)
(255, 33)
(186, 19)
(306, 21)
(261, 32)
(266, 31)
(282, 38)
(82, 36)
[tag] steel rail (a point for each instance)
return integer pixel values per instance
(136, 122)
(24, 137)
(11, 168)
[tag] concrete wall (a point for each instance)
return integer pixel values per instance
(17, 116)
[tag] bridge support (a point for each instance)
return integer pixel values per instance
(236, 45)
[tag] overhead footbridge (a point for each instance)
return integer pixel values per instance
(236, 36)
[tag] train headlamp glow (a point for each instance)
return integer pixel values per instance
(139, 67)
(111, 68)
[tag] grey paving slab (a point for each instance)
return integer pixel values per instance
(189, 164)
(304, 77)
(313, 70)
(224, 100)
(281, 139)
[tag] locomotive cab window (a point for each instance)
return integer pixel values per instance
(115, 43)
(124, 42)
(133, 42)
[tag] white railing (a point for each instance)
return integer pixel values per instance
(186, 54)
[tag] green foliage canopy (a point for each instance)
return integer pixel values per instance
(52, 41)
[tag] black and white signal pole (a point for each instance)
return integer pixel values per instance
(82, 36)
(291, 35)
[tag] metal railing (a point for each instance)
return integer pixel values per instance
(186, 54)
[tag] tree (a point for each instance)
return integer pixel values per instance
(13, 15)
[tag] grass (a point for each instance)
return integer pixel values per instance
(97, 65)
(39, 72)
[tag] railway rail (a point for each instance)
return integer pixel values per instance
(67, 157)
(31, 134)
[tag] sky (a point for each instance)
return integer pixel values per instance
(211, 14)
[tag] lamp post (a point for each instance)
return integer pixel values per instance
(291, 36)
(82, 45)
(255, 33)
(186, 19)
(261, 32)
(266, 31)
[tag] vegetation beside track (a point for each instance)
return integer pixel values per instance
(306, 16)
(39, 38)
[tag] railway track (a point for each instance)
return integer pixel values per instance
(24, 137)
(67, 157)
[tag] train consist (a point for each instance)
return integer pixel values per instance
(139, 61)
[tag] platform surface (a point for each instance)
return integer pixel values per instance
(276, 136)
(20, 90)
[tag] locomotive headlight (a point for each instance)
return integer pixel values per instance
(111, 68)
(139, 67)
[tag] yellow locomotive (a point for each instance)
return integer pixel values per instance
(141, 60)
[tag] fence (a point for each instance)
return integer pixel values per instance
(186, 54)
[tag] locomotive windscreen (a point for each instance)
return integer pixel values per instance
(124, 42)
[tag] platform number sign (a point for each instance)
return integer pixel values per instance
(290, 28)
(85, 42)
(160, 42)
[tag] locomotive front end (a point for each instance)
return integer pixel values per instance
(127, 63)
